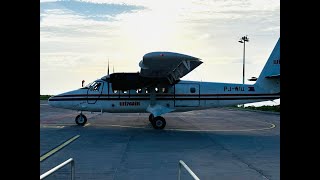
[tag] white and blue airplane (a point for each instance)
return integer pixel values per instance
(157, 89)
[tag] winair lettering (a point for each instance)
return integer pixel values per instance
(236, 88)
(129, 103)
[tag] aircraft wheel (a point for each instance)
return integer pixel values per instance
(158, 122)
(81, 120)
(151, 117)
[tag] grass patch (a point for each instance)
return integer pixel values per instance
(265, 108)
(275, 108)
(45, 97)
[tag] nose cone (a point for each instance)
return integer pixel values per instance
(67, 100)
(58, 100)
(51, 101)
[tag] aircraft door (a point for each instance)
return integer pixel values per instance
(94, 92)
(187, 95)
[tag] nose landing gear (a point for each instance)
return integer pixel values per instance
(81, 119)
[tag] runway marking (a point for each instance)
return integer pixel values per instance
(168, 116)
(86, 124)
(225, 130)
(55, 118)
(51, 126)
(46, 155)
(198, 130)
(136, 127)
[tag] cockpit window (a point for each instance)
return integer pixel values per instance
(87, 86)
(95, 86)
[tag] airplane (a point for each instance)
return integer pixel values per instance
(158, 89)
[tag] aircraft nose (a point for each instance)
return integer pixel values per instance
(51, 101)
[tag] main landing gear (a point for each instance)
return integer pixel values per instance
(81, 119)
(157, 122)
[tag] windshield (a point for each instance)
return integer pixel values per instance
(106, 78)
(88, 85)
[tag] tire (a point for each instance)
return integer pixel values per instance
(159, 122)
(81, 120)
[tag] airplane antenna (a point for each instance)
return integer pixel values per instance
(108, 66)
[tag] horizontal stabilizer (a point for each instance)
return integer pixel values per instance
(273, 76)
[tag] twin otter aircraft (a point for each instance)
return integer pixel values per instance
(157, 89)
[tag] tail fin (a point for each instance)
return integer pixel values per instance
(269, 78)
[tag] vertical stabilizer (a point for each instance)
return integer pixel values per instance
(269, 78)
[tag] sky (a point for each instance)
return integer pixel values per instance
(79, 37)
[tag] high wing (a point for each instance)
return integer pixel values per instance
(169, 65)
(157, 68)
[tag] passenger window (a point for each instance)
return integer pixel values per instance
(147, 90)
(139, 91)
(124, 91)
(156, 89)
(164, 90)
(192, 90)
(115, 91)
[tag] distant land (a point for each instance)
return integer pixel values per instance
(45, 97)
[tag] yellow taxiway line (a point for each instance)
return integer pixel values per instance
(46, 155)
(87, 124)
(196, 130)
(224, 130)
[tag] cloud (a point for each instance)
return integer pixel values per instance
(78, 37)
(88, 10)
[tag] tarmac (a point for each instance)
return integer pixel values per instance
(218, 143)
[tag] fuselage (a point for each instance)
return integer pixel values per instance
(158, 89)
(183, 96)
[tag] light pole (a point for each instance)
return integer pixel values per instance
(243, 40)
